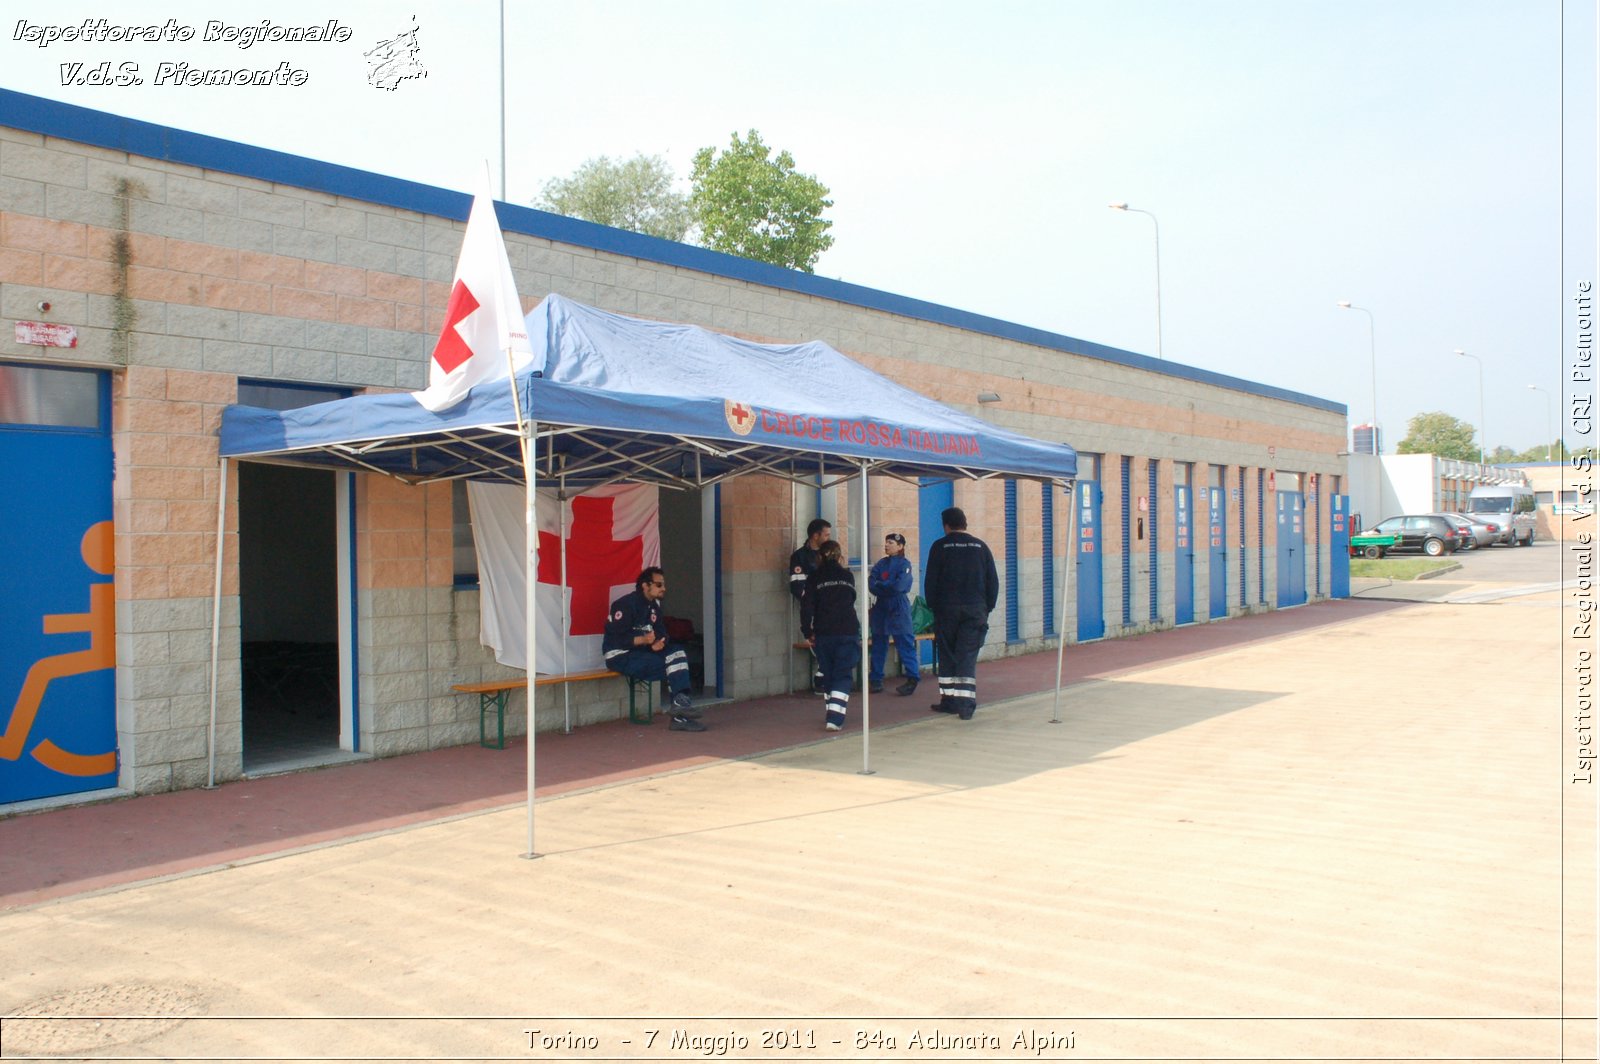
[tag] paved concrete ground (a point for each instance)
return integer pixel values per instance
(1353, 841)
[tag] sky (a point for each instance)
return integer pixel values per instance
(1430, 161)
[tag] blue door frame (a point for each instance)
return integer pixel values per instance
(1339, 548)
(58, 732)
(1219, 553)
(1291, 549)
(1091, 589)
(1183, 556)
(934, 497)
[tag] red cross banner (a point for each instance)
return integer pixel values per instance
(483, 319)
(610, 534)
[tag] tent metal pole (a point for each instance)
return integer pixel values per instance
(216, 622)
(531, 583)
(566, 622)
(861, 614)
(1066, 584)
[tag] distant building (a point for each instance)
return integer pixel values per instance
(1366, 439)
(1385, 485)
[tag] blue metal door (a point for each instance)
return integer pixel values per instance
(1339, 548)
(1219, 554)
(58, 731)
(1183, 557)
(1091, 593)
(934, 497)
(1291, 549)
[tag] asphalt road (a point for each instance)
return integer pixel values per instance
(1511, 569)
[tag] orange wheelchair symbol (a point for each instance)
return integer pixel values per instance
(100, 623)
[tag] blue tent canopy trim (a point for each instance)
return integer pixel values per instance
(617, 398)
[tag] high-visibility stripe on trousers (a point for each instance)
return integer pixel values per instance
(959, 632)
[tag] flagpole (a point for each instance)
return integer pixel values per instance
(526, 430)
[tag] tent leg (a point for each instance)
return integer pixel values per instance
(566, 622)
(531, 532)
(216, 623)
(1066, 585)
(861, 612)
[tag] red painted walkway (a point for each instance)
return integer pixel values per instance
(60, 852)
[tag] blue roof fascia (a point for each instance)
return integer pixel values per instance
(83, 125)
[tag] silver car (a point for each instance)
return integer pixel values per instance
(1483, 532)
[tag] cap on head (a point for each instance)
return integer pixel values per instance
(896, 537)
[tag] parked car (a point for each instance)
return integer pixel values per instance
(1483, 532)
(1428, 533)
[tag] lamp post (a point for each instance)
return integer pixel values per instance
(1372, 344)
(1483, 437)
(1157, 224)
(1549, 447)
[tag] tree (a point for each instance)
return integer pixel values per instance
(634, 194)
(1439, 433)
(749, 204)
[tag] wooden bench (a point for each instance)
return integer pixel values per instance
(493, 694)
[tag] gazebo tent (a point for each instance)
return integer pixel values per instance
(609, 398)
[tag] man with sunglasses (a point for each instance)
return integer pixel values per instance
(635, 645)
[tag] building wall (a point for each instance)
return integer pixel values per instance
(182, 278)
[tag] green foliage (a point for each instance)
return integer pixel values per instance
(634, 194)
(1556, 450)
(1440, 434)
(749, 204)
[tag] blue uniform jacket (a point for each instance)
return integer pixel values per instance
(890, 583)
(631, 615)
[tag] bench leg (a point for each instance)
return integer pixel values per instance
(496, 699)
(647, 688)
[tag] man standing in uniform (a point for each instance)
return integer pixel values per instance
(802, 563)
(962, 586)
(635, 645)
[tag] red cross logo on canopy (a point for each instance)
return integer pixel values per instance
(741, 418)
(595, 562)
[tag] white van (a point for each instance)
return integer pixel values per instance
(1512, 506)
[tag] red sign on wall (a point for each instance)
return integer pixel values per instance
(46, 334)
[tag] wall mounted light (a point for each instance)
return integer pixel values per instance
(988, 397)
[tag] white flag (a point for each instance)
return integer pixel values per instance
(483, 320)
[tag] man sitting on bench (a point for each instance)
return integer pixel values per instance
(636, 646)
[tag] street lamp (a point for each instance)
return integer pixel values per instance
(1372, 342)
(1549, 447)
(1153, 221)
(1483, 436)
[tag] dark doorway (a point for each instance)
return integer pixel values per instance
(288, 616)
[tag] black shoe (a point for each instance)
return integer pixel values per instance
(683, 723)
(683, 707)
(907, 688)
(944, 707)
(966, 714)
(875, 687)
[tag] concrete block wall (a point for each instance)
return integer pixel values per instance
(164, 507)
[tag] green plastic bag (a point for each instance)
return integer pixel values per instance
(921, 616)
